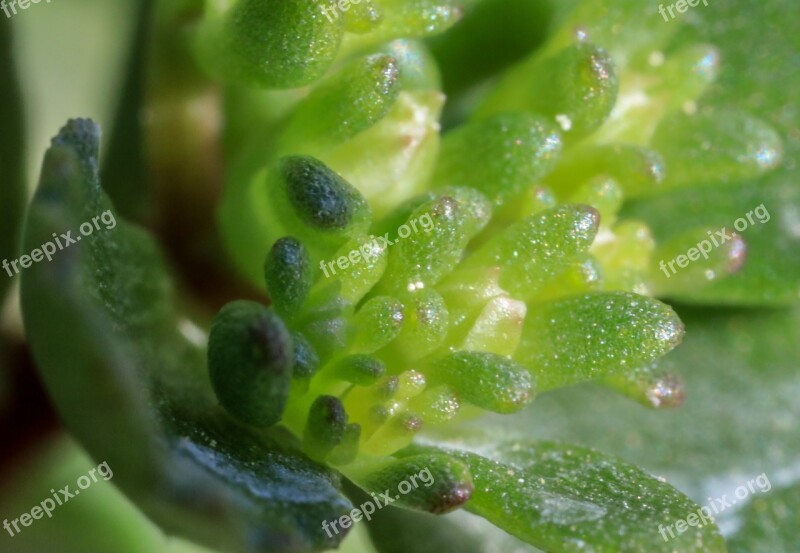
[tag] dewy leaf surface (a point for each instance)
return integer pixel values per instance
(738, 419)
(564, 498)
(598, 334)
(104, 329)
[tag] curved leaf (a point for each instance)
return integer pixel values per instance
(110, 346)
(565, 498)
(737, 421)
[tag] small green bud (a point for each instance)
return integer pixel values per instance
(283, 44)
(250, 358)
(287, 271)
(500, 156)
(325, 427)
(723, 146)
(306, 360)
(377, 323)
(320, 197)
(443, 228)
(486, 380)
(347, 450)
(638, 171)
(425, 327)
(351, 100)
(594, 335)
(577, 87)
(532, 252)
(359, 369)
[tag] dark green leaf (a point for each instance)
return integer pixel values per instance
(105, 333)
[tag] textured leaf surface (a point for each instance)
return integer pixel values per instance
(104, 330)
(592, 335)
(737, 421)
(565, 498)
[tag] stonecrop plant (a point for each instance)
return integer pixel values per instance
(403, 235)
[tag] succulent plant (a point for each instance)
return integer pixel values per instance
(384, 291)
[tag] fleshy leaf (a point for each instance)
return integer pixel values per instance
(499, 156)
(534, 251)
(250, 359)
(770, 272)
(565, 498)
(636, 169)
(716, 148)
(598, 334)
(443, 482)
(348, 102)
(741, 376)
(283, 45)
(575, 88)
(489, 381)
(106, 336)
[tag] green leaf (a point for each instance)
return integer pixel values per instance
(296, 196)
(770, 274)
(267, 44)
(757, 75)
(394, 159)
(533, 252)
(637, 170)
(400, 531)
(407, 19)
(118, 525)
(437, 483)
(576, 88)
(742, 382)
(716, 148)
(565, 498)
(598, 334)
(287, 272)
(346, 103)
(628, 30)
(12, 188)
(499, 156)
(487, 380)
(106, 336)
(438, 233)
